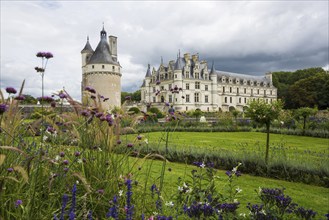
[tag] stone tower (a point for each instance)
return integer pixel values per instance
(101, 71)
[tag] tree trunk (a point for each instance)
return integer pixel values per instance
(304, 125)
(267, 142)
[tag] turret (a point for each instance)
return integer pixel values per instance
(86, 53)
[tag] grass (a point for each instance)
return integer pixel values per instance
(314, 197)
(313, 151)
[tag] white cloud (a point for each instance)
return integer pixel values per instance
(249, 37)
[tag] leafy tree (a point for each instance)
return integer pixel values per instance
(29, 100)
(264, 114)
(305, 113)
(134, 96)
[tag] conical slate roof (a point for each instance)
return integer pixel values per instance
(102, 53)
(148, 72)
(87, 48)
(212, 71)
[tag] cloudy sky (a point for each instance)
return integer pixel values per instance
(250, 37)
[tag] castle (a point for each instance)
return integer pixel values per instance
(101, 72)
(188, 84)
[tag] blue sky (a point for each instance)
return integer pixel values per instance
(249, 37)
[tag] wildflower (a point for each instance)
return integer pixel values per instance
(85, 113)
(77, 153)
(130, 145)
(45, 99)
(100, 191)
(11, 90)
(72, 209)
(99, 114)
(79, 161)
(129, 207)
(228, 173)
(238, 190)
(167, 104)
(139, 137)
(10, 170)
(65, 162)
(18, 203)
(62, 154)
(169, 204)
(3, 108)
(120, 193)
(20, 98)
(62, 96)
(113, 211)
(66, 169)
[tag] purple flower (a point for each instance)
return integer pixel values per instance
(48, 55)
(66, 169)
(118, 141)
(72, 209)
(157, 82)
(99, 114)
(41, 54)
(128, 97)
(228, 173)
(11, 90)
(3, 108)
(10, 169)
(139, 137)
(20, 98)
(130, 145)
(65, 162)
(62, 154)
(77, 153)
(167, 104)
(93, 97)
(62, 96)
(85, 113)
(51, 129)
(65, 200)
(129, 207)
(113, 211)
(100, 191)
(18, 203)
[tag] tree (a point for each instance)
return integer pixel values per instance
(305, 113)
(264, 114)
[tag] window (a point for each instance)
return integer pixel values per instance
(271, 92)
(206, 99)
(197, 75)
(186, 108)
(206, 87)
(93, 66)
(170, 98)
(175, 76)
(170, 86)
(264, 92)
(237, 90)
(196, 97)
(154, 99)
(187, 98)
(223, 88)
(162, 87)
(230, 89)
(197, 85)
(258, 91)
(104, 67)
(225, 100)
(245, 100)
(245, 90)
(187, 86)
(230, 99)
(252, 91)
(206, 76)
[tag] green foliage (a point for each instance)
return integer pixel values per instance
(134, 110)
(135, 96)
(156, 111)
(303, 88)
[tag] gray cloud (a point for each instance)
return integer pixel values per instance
(247, 37)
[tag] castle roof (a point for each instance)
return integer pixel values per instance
(148, 72)
(241, 76)
(87, 47)
(102, 53)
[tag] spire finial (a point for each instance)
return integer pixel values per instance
(179, 53)
(148, 65)
(103, 25)
(87, 37)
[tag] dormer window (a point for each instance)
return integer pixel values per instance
(103, 66)
(92, 66)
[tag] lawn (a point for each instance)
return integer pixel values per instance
(298, 149)
(316, 198)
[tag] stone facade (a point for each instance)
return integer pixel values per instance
(101, 71)
(188, 84)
